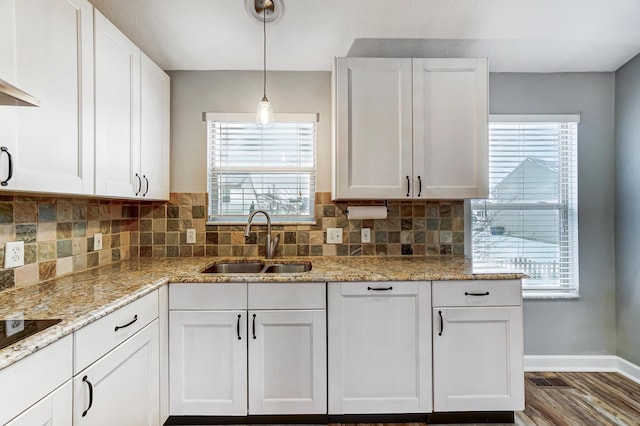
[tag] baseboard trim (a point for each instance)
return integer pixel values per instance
(629, 370)
(582, 363)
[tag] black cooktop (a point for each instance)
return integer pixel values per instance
(12, 330)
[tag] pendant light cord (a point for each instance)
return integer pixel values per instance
(264, 48)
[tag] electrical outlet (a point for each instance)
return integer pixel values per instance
(365, 235)
(334, 235)
(191, 236)
(14, 324)
(14, 254)
(97, 241)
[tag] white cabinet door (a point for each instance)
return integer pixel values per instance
(154, 130)
(122, 387)
(450, 135)
(287, 362)
(117, 112)
(379, 347)
(53, 410)
(54, 63)
(477, 359)
(208, 363)
(8, 115)
(372, 143)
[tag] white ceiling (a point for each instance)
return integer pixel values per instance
(516, 35)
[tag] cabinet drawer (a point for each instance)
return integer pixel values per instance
(287, 296)
(207, 296)
(477, 293)
(96, 339)
(30, 379)
(378, 288)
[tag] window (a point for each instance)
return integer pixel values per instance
(251, 168)
(530, 221)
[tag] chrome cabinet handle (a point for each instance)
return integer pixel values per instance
(10, 171)
(86, 380)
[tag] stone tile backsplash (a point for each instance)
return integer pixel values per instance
(58, 232)
(411, 228)
(58, 235)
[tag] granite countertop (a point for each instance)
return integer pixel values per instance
(82, 298)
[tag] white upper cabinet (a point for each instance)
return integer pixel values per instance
(102, 127)
(372, 156)
(132, 118)
(410, 128)
(154, 129)
(450, 117)
(8, 114)
(52, 46)
(117, 112)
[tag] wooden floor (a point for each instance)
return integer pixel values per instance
(576, 399)
(569, 399)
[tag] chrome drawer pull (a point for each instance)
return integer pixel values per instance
(379, 288)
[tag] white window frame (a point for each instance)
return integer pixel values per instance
(541, 291)
(250, 117)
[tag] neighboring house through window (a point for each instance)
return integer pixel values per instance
(251, 167)
(530, 222)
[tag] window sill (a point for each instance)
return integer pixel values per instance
(541, 295)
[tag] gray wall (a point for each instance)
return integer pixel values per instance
(627, 207)
(583, 326)
(195, 92)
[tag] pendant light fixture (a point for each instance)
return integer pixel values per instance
(264, 115)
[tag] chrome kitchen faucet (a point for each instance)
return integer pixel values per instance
(270, 246)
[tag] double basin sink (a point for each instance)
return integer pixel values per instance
(257, 267)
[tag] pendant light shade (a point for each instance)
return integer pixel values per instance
(264, 114)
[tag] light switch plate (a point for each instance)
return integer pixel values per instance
(365, 235)
(14, 254)
(334, 235)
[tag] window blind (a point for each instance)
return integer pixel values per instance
(270, 168)
(529, 223)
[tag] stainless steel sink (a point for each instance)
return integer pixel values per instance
(234, 268)
(256, 267)
(287, 268)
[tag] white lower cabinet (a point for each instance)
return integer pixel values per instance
(266, 342)
(53, 410)
(208, 362)
(287, 362)
(477, 346)
(379, 347)
(123, 386)
(32, 388)
(117, 367)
